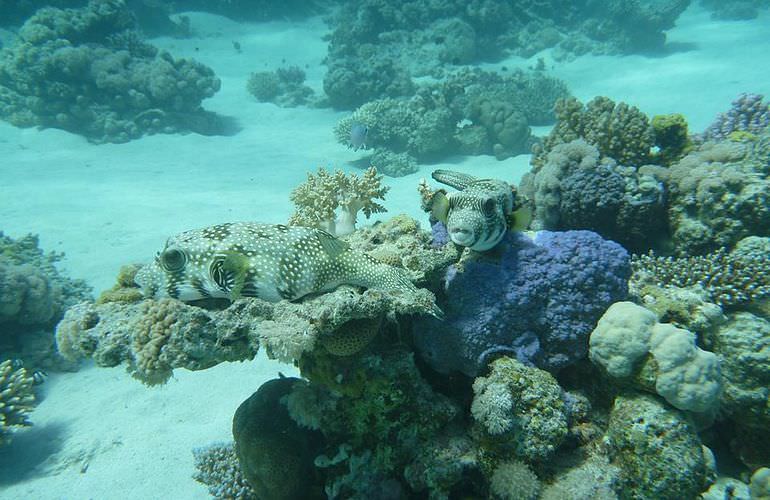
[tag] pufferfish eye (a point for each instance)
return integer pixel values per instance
(489, 206)
(173, 260)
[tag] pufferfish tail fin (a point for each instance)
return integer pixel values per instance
(453, 179)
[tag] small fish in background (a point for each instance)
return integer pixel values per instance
(237, 46)
(358, 134)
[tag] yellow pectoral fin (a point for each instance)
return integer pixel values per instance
(519, 220)
(440, 207)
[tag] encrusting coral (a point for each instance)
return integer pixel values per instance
(16, 399)
(331, 201)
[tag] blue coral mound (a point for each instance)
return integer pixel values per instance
(537, 299)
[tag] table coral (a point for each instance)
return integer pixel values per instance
(537, 301)
(331, 201)
(86, 71)
(16, 399)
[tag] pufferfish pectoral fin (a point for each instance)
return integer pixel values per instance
(332, 246)
(439, 207)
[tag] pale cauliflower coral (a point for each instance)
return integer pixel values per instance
(331, 201)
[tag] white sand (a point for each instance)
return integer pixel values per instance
(107, 205)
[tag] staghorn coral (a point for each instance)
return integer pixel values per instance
(16, 399)
(522, 407)
(218, 468)
(332, 201)
(85, 71)
(728, 278)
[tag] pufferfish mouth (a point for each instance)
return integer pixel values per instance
(462, 236)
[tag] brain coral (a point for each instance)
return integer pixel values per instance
(538, 302)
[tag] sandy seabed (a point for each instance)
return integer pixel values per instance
(100, 434)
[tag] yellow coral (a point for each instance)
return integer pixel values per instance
(16, 398)
(151, 335)
(331, 201)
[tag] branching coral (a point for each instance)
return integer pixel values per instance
(514, 480)
(331, 201)
(16, 399)
(218, 468)
(729, 278)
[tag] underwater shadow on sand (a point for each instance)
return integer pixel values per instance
(30, 448)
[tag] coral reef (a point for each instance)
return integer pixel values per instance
(576, 188)
(522, 407)
(470, 111)
(16, 399)
(274, 453)
(332, 201)
(514, 480)
(385, 414)
(33, 297)
(85, 70)
(735, 9)
(284, 87)
(375, 45)
(656, 448)
(728, 278)
(538, 301)
(748, 114)
(629, 343)
(218, 468)
(156, 336)
(617, 130)
(717, 195)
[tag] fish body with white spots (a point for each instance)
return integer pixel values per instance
(268, 261)
(479, 213)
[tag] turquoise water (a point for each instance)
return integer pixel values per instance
(592, 322)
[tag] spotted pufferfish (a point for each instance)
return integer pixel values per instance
(478, 215)
(268, 261)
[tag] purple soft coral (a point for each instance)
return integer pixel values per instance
(538, 302)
